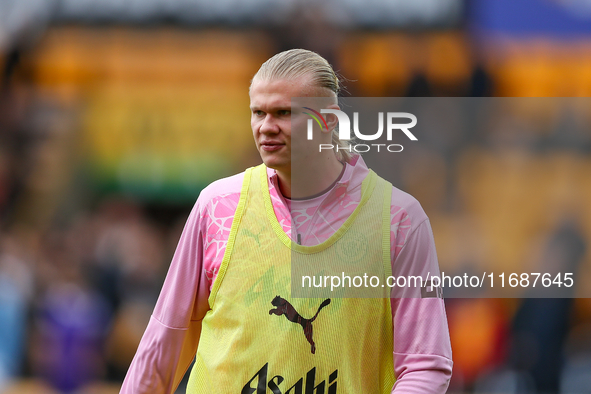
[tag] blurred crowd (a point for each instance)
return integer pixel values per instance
(76, 297)
(84, 250)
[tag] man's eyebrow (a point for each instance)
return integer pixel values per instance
(284, 105)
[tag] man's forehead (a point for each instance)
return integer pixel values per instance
(272, 94)
(270, 100)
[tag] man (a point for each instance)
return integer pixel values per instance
(228, 289)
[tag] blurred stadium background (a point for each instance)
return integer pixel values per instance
(115, 114)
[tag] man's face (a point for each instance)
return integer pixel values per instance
(271, 120)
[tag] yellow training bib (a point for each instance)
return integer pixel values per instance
(257, 339)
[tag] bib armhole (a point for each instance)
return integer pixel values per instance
(232, 237)
(386, 232)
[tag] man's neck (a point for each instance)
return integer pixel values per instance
(306, 184)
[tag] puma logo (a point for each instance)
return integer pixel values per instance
(283, 307)
(249, 233)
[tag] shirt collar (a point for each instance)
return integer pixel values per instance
(355, 172)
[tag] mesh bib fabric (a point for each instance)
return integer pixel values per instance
(258, 339)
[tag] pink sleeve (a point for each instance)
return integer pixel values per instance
(170, 341)
(422, 348)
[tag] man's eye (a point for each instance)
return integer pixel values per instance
(258, 113)
(284, 112)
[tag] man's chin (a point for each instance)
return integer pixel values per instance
(276, 165)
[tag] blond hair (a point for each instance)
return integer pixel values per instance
(296, 63)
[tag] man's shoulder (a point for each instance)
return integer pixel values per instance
(405, 204)
(221, 188)
(218, 200)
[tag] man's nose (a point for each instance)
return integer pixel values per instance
(269, 125)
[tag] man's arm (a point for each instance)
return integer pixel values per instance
(421, 367)
(170, 341)
(422, 348)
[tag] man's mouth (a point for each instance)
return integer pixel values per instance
(271, 146)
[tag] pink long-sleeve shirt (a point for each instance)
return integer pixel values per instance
(422, 349)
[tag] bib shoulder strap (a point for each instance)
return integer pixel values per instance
(233, 231)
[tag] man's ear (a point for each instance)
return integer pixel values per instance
(331, 119)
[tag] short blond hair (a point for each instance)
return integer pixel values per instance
(295, 63)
